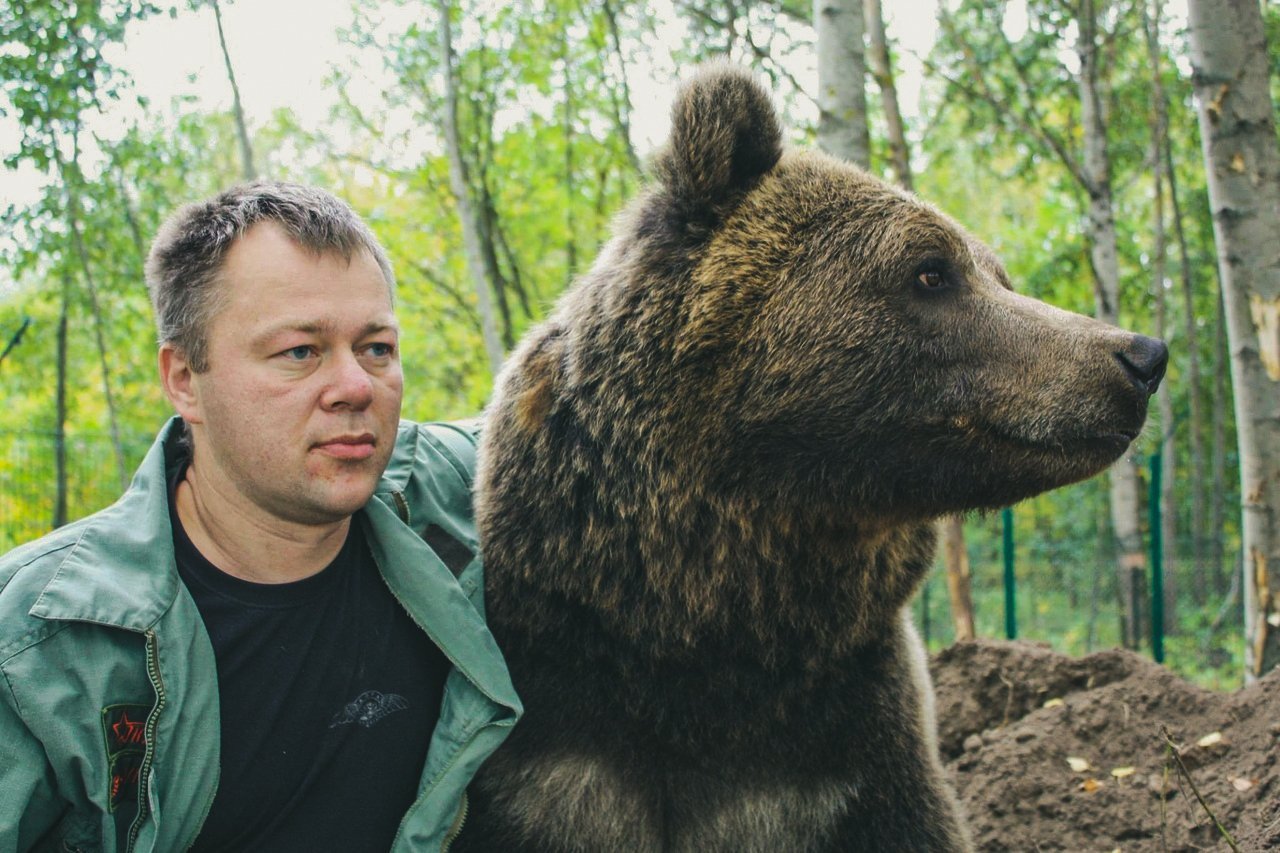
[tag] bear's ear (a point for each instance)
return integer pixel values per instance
(724, 136)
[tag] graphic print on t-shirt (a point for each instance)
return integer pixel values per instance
(369, 707)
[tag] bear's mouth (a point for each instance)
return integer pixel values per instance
(1111, 443)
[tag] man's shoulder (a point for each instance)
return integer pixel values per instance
(25, 572)
(428, 483)
(433, 450)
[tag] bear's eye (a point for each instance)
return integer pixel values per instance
(932, 279)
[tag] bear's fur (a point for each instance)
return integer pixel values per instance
(707, 489)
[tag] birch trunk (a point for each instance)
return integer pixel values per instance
(842, 70)
(60, 426)
(459, 182)
(1202, 549)
(571, 227)
(1218, 453)
(882, 71)
(237, 109)
(69, 177)
(1195, 425)
(621, 105)
(1237, 127)
(1168, 446)
(1126, 505)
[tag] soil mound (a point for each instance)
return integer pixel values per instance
(1052, 753)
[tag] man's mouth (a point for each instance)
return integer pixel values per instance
(348, 446)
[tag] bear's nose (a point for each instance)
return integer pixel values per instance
(1144, 359)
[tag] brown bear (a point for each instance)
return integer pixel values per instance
(707, 487)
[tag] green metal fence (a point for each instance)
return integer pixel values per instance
(1040, 576)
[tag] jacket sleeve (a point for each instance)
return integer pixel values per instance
(29, 806)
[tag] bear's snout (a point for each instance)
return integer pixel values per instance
(1144, 361)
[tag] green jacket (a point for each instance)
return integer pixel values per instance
(108, 688)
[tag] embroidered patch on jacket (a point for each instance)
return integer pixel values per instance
(369, 707)
(124, 729)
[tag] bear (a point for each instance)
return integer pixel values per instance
(707, 486)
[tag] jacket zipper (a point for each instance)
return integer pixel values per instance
(456, 829)
(402, 506)
(144, 789)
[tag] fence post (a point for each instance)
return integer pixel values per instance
(1010, 598)
(1157, 558)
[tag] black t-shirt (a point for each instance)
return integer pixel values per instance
(329, 694)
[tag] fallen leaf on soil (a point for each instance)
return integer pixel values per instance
(1054, 703)
(1211, 739)
(1090, 785)
(1243, 784)
(1121, 772)
(1079, 765)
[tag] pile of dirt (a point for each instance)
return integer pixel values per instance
(1051, 753)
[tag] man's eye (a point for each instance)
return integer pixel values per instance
(297, 353)
(381, 350)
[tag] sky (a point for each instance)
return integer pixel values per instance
(283, 50)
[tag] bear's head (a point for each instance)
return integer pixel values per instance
(770, 322)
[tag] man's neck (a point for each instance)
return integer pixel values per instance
(243, 541)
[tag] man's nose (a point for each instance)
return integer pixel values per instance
(348, 384)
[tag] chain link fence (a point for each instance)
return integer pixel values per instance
(29, 479)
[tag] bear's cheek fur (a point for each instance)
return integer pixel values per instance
(976, 397)
(1026, 398)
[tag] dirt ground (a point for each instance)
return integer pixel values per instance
(1051, 753)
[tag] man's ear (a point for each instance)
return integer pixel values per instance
(180, 383)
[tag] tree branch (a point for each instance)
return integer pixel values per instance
(1027, 118)
(16, 339)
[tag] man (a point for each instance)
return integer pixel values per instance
(255, 648)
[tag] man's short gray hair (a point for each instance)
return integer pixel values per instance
(188, 252)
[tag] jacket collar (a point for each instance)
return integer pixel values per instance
(120, 571)
(429, 592)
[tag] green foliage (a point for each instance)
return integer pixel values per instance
(52, 69)
(547, 92)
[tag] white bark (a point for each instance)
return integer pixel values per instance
(882, 70)
(459, 182)
(842, 69)
(1126, 506)
(1237, 126)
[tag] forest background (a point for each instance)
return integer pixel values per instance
(490, 144)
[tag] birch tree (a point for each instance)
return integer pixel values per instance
(842, 69)
(1164, 396)
(460, 184)
(1238, 132)
(882, 71)
(1017, 103)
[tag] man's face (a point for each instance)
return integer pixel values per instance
(298, 410)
